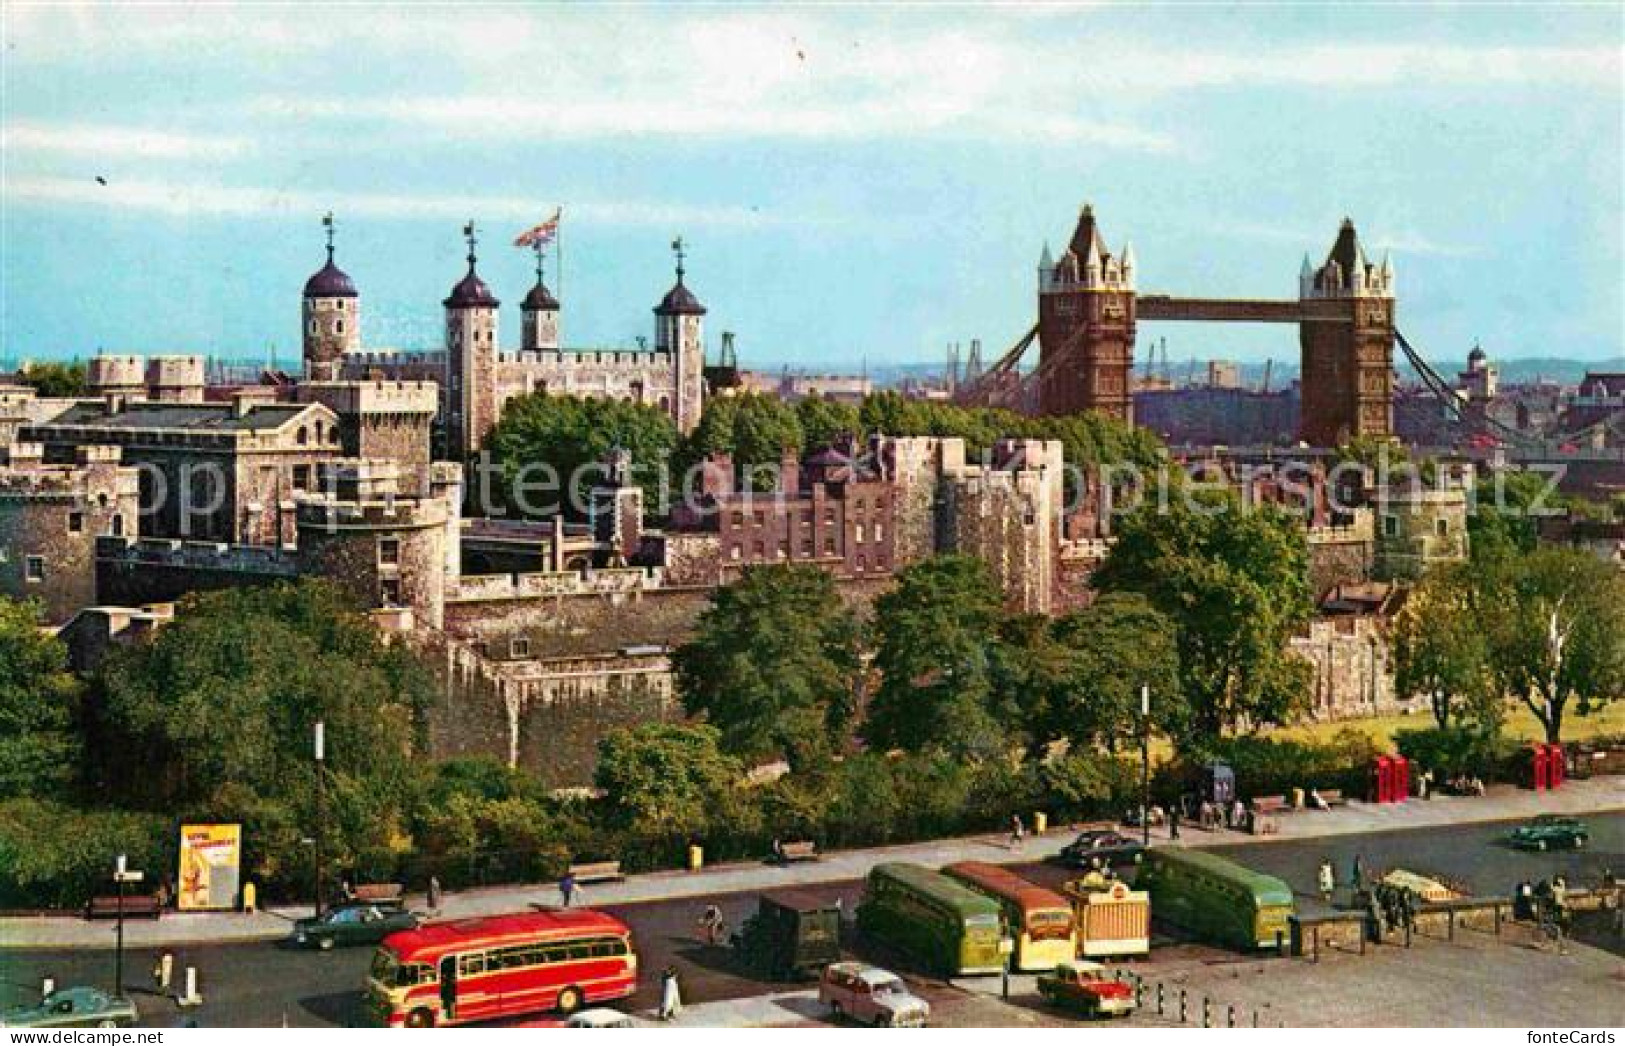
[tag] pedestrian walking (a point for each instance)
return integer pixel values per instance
(568, 888)
(671, 995)
(1173, 821)
(434, 893)
(1018, 832)
(1328, 881)
(1357, 874)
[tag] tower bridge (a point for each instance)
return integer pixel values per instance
(1089, 309)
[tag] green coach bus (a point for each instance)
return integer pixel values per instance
(936, 921)
(1216, 898)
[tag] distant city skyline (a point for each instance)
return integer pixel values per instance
(853, 184)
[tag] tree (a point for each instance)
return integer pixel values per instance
(39, 747)
(574, 438)
(936, 635)
(774, 664)
(1233, 579)
(666, 780)
(221, 704)
(824, 422)
(752, 429)
(1557, 632)
(1116, 645)
(55, 380)
(1506, 509)
(1440, 648)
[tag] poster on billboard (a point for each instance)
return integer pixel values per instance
(209, 859)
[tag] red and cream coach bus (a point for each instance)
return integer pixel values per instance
(1039, 921)
(466, 970)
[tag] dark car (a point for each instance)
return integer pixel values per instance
(1551, 831)
(1111, 847)
(353, 924)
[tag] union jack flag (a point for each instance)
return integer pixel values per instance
(540, 235)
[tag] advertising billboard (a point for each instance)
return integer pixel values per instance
(210, 854)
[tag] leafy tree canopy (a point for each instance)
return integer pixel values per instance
(55, 380)
(552, 450)
(774, 664)
(936, 635)
(39, 747)
(1441, 650)
(667, 779)
(1233, 579)
(220, 706)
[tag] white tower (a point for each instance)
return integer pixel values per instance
(331, 317)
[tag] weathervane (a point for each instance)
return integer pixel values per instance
(327, 223)
(677, 249)
(468, 234)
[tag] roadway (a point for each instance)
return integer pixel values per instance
(267, 984)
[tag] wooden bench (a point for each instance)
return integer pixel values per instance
(800, 850)
(376, 893)
(597, 872)
(136, 906)
(1270, 804)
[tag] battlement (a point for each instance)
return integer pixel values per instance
(111, 373)
(195, 555)
(376, 396)
(319, 512)
(630, 358)
(618, 581)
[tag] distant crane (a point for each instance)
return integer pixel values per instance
(1264, 386)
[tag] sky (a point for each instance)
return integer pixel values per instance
(855, 184)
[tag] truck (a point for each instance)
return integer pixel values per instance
(792, 935)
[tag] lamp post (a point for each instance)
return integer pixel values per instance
(321, 790)
(121, 874)
(1145, 764)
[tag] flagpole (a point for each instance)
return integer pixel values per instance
(558, 258)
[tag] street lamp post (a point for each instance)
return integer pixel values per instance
(1145, 764)
(121, 874)
(321, 790)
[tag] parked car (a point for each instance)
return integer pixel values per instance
(352, 924)
(73, 1008)
(871, 995)
(1550, 832)
(1084, 987)
(1111, 847)
(599, 1017)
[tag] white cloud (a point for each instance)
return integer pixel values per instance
(116, 142)
(186, 200)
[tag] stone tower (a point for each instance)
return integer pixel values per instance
(1086, 326)
(331, 316)
(680, 331)
(1347, 339)
(471, 355)
(539, 315)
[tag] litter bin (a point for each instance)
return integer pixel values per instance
(250, 898)
(1297, 798)
(696, 857)
(1040, 822)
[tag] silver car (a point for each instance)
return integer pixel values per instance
(872, 996)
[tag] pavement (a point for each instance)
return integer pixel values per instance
(1503, 803)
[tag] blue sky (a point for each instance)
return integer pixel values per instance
(855, 182)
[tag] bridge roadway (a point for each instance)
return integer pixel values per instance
(260, 984)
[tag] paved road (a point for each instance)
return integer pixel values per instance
(265, 984)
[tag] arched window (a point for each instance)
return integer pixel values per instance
(302, 437)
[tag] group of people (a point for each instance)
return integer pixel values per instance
(1546, 902)
(1391, 907)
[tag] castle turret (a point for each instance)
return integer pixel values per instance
(1086, 327)
(539, 315)
(1348, 348)
(331, 314)
(471, 352)
(680, 331)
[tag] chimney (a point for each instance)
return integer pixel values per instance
(789, 472)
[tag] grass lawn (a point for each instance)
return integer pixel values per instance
(1520, 724)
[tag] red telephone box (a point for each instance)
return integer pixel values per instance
(1556, 768)
(1401, 787)
(1381, 776)
(1538, 767)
